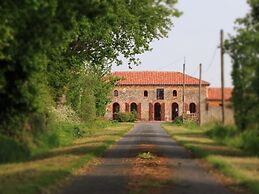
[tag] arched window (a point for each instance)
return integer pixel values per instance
(145, 93)
(192, 108)
(133, 107)
(116, 93)
(115, 110)
(174, 93)
(175, 110)
(116, 107)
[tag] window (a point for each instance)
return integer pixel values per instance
(174, 93)
(145, 93)
(133, 107)
(116, 93)
(192, 108)
(160, 94)
(116, 110)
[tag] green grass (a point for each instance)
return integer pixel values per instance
(241, 166)
(146, 155)
(46, 170)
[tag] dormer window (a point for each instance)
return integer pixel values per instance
(174, 93)
(116, 93)
(145, 93)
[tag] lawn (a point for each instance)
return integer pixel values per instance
(235, 163)
(45, 172)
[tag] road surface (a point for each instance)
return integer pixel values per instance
(111, 176)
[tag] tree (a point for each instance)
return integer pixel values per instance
(244, 51)
(38, 38)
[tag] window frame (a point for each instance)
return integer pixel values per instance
(145, 93)
(116, 93)
(160, 93)
(174, 93)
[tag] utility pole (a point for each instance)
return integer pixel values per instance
(183, 87)
(200, 94)
(222, 75)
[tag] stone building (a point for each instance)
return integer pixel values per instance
(158, 96)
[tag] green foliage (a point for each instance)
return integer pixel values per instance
(190, 124)
(243, 49)
(126, 116)
(186, 123)
(146, 155)
(231, 136)
(251, 141)
(178, 120)
(87, 109)
(226, 134)
(220, 131)
(53, 49)
(12, 150)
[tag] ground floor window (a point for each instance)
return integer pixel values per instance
(192, 108)
(115, 109)
(133, 107)
(157, 112)
(175, 110)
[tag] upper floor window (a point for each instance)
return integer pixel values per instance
(174, 93)
(192, 108)
(116, 93)
(160, 94)
(145, 93)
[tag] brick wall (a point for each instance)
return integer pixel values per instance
(135, 94)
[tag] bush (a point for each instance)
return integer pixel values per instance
(178, 121)
(251, 141)
(190, 124)
(126, 116)
(12, 151)
(220, 132)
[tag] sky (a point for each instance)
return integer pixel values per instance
(195, 36)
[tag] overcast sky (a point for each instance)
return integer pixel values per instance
(195, 35)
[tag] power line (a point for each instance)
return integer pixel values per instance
(212, 59)
(171, 63)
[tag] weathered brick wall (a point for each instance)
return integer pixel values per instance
(130, 94)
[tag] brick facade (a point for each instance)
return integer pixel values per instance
(146, 104)
(139, 90)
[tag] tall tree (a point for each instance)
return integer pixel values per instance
(37, 37)
(244, 51)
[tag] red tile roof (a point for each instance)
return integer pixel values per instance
(155, 78)
(215, 93)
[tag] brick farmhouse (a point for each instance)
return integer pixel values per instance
(158, 96)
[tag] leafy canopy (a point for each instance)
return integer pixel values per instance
(44, 44)
(244, 51)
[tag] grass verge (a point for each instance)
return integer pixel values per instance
(232, 162)
(45, 170)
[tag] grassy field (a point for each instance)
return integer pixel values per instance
(240, 166)
(44, 172)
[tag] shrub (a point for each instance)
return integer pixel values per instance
(178, 120)
(250, 141)
(126, 116)
(190, 124)
(226, 134)
(220, 132)
(11, 150)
